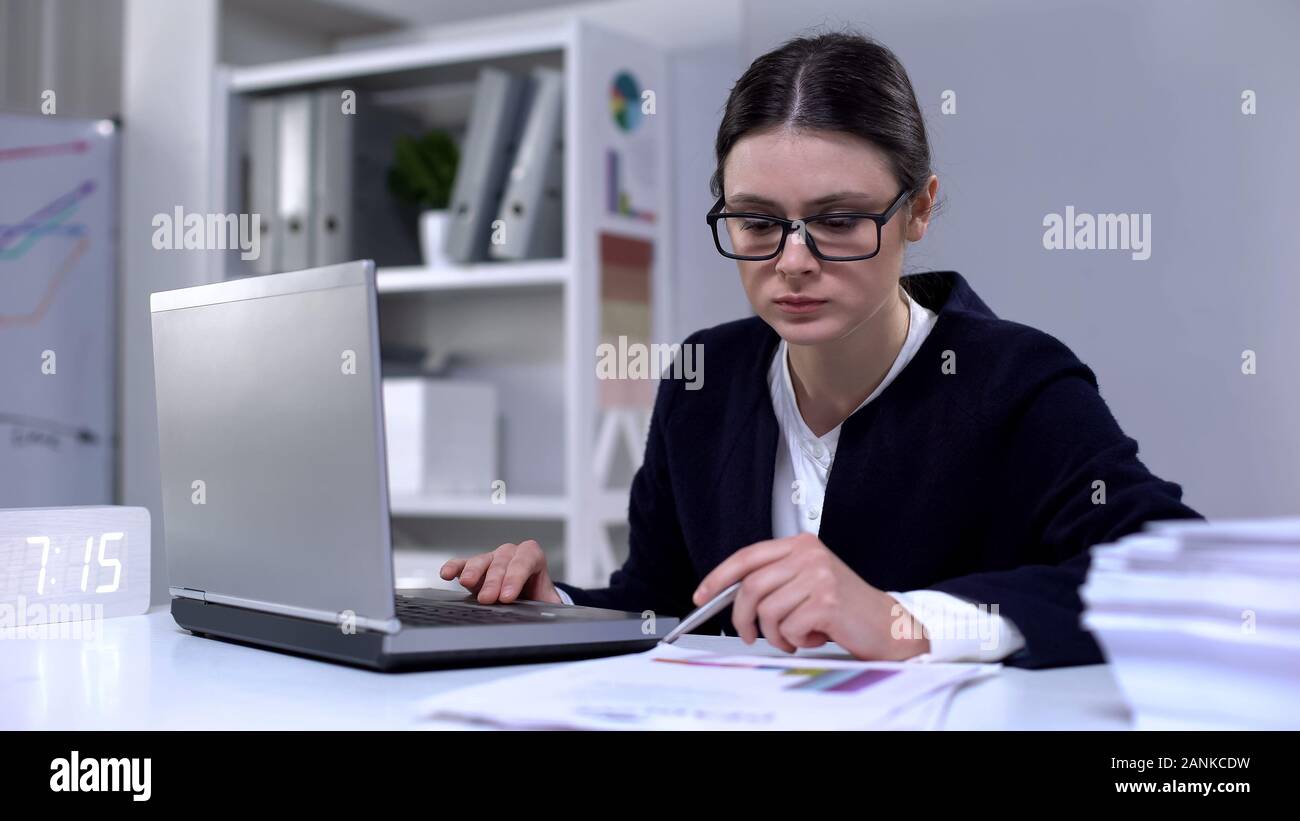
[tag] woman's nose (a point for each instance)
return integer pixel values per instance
(796, 257)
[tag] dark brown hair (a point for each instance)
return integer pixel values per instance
(837, 81)
(840, 81)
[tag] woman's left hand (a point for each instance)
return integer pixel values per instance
(802, 595)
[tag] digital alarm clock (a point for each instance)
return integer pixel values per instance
(72, 563)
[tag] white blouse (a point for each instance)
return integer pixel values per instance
(958, 630)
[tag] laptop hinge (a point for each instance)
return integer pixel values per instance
(187, 593)
(346, 620)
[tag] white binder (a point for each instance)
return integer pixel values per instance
(332, 179)
(532, 209)
(354, 216)
(488, 148)
(292, 229)
(262, 181)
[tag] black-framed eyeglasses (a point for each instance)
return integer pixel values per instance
(835, 237)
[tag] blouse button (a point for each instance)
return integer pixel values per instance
(814, 512)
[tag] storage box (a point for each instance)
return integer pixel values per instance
(442, 436)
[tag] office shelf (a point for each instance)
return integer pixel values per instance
(465, 53)
(532, 328)
(547, 273)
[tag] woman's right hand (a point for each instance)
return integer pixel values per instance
(512, 571)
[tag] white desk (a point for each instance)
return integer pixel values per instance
(144, 672)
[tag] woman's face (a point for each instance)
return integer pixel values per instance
(806, 300)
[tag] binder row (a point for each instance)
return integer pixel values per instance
(316, 175)
(520, 117)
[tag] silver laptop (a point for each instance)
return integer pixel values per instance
(274, 491)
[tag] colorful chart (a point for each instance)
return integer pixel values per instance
(617, 199)
(58, 307)
(823, 679)
(625, 101)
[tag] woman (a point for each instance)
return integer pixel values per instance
(880, 460)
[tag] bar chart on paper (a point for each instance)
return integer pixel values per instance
(811, 678)
(676, 688)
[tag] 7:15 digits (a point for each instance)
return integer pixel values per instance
(104, 539)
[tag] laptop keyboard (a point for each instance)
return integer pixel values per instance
(426, 612)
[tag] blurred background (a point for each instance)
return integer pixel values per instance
(122, 118)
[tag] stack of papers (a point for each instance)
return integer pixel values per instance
(676, 688)
(1201, 622)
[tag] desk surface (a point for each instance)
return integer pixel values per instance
(144, 672)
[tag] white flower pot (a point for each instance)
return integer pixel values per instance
(433, 231)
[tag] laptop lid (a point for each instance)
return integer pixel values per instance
(271, 444)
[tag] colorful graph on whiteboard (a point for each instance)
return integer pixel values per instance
(58, 306)
(54, 220)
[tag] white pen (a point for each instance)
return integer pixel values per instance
(702, 613)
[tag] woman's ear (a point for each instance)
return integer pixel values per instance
(920, 208)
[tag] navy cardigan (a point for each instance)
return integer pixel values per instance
(978, 483)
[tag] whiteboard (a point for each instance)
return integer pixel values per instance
(58, 286)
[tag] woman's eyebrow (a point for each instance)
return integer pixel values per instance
(842, 195)
(837, 196)
(750, 198)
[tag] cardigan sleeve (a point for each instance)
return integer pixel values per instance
(1060, 442)
(658, 575)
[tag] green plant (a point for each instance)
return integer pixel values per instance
(424, 169)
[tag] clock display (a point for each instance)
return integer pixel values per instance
(45, 578)
(53, 559)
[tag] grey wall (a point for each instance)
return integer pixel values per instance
(1116, 106)
(706, 285)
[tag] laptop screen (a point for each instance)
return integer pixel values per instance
(271, 442)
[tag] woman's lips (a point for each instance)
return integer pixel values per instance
(798, 305)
